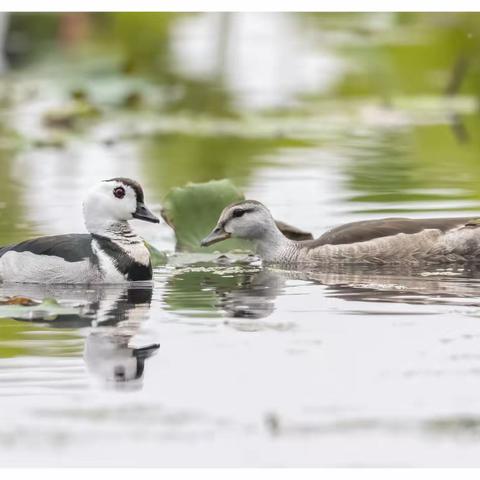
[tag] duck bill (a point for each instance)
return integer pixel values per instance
(216, 235)
(143, 213)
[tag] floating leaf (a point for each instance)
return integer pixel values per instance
(157, 257)
(23, 308)
(16, 300)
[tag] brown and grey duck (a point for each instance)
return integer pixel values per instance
(383, 241)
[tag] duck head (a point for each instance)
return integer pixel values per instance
(249, 220)
(115, 201)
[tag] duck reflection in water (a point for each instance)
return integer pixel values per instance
(252, 294)
(113, 314)
(253, 297)
(401, 285)
(108, 354)
(243, 293)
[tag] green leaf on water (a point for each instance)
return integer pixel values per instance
(156, 256)
(47, 310)
(193, 210)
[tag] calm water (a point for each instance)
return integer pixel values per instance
(233, 364)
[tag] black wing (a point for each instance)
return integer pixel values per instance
(72, 248)
(370, 229)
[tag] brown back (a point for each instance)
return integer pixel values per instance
(370, 229)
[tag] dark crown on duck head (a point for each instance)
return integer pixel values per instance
(137, 188)
(243, 202)
(239, 208)
(246, 205)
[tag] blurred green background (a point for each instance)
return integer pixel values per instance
(387, 101)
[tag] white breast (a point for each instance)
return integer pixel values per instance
(138, 251)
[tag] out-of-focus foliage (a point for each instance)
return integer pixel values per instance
(142, 38)
(175, 159)
(414, 167)
(31, 35)
(419, 53)
(391, 53)
(11, 209)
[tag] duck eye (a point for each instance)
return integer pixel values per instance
(238, 213)
(119, 192)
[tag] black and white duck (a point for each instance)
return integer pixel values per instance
(110, 253)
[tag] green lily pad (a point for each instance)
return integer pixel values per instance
(193, 210)
(156, 256)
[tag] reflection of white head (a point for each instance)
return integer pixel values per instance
(110, 358)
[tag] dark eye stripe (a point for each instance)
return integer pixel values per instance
(238, 212)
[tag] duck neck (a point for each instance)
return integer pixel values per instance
(273, 246)
(119, 232)
(126, 244)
